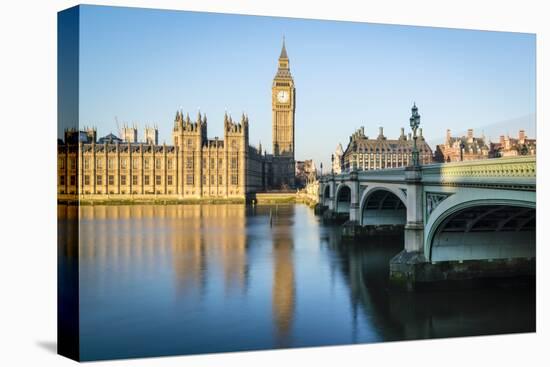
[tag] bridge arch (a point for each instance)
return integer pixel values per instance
(383, 205)
(479, 224)
(342, 199)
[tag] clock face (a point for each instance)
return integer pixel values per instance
(282, 96)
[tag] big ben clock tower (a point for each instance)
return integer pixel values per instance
(283, 101)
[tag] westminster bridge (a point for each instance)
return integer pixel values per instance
(461, 221)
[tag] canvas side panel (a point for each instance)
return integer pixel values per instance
(68, 183)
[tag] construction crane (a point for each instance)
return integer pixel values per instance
(118, 127)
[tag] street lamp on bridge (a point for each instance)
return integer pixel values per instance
(415, 122)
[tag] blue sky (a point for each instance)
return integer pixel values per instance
(141, 65)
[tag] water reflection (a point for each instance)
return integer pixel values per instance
(162, 280)
(196, 238)
(495, 309)
(283, 292)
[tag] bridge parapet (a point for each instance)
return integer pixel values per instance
(521, 170)
(513, 173)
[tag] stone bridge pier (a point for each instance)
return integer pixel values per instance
(414, 228)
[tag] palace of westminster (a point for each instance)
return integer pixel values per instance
(198, 167)
(194, 166)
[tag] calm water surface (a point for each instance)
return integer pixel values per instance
(163, 280)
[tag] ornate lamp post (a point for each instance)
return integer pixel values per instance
(321, 166)
(462, 146)
(332, 165)
(415, 122)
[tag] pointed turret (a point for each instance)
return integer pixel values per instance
(176, 120)
(283, 51)
(283, 70)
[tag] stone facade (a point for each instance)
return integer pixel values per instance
(463, 148)
(193, 167)
(306, 172)
(366, 154)
(511, 147)
(337, 159)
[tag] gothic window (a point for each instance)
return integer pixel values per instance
(111, 163)
(111, 180)
(99, 180)
(169, 163)
(135, 163)
(146, 163)
(73, 163)
(87, 163)
(123, 163)
(212, 162)
(233, 163)
(189, 179)
(73, 180)
(189, 163)
(123, 180)
(146, 180)
(204, 163)
(234, 179)
(220, 180)
(62, 163)
(169, 180)
(220, 162)
(212, 180)
(157, 163)
(234, 143)
(62, 180)
(99, 163)
(189, 143)
(157, 180)
(86, 180)
(134, 180)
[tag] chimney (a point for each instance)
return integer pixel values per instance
(420, 133)
(380, 132)
(521, 136)
(470, 135)
(501, 140)
(448, 137)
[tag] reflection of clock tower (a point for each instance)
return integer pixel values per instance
(283, 102)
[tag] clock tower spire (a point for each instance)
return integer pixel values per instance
(283, 102)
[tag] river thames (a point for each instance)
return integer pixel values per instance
(188, 279)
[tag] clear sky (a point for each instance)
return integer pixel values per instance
(142, 65)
